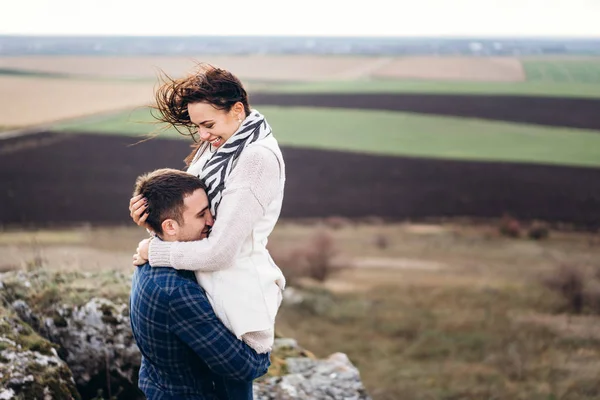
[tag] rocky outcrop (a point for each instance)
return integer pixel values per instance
(304, 377)
(96, 342)
(80, 345)
(92, 336)
(29, 365)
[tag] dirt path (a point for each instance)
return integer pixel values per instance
(397, 263)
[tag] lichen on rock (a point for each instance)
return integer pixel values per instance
(29, 365)
(303, 376)
(91, 335)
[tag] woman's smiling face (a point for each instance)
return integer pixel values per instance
(214, 125)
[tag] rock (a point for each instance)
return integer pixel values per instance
(307, 378)
(95, 345)
(96, 338)
(283, 344)
(29, 366)
(292, 296)
(93, 338)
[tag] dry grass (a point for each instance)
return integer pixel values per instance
(486, 69)
(282, 67)
(482, 327)
(33, 101)
(256, 67)
(479, 326)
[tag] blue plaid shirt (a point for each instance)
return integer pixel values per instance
(183, 343)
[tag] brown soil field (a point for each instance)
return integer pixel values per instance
(267, 67)
(56, 179)
(569, 112)
(29, 101)
(484, 69)
(283, 67)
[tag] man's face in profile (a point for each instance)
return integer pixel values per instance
(196, 217)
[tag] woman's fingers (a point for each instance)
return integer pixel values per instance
(134, 199)
(138, 213)
(136, 206)
(138, 260)
(143, 218)
(138, 210)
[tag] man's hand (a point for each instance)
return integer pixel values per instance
(141, 256)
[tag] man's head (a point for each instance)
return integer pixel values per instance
(178, 208)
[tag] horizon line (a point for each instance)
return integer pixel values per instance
(342, 36)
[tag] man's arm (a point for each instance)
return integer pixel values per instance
(193, 320)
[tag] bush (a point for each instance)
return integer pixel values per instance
(510, 227)
(337, 222)
(373, 220)
(319, 256)
(291, 263)
(314, 259)
(592, 296)
(568, 280)
(538, 231)
(381, 241)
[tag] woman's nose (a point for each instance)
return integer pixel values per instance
(204, 135)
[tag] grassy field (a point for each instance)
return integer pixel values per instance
(563, 71)
(478, 326)
(21, 72)
(400, 134)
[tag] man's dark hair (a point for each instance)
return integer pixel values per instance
(165, 190)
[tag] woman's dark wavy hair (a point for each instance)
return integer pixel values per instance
(208, 84)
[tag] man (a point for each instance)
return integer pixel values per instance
(187, 352)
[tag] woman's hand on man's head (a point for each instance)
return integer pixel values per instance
(138, 207)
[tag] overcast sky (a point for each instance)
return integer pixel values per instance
(575, 18)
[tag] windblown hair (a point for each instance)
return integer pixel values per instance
(165, 190)
(208, 84)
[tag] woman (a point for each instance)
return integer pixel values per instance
(241, 164)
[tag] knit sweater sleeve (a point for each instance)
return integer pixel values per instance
(252, 185)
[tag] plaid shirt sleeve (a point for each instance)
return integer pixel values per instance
(193, 320)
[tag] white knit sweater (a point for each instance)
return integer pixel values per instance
(233, 265)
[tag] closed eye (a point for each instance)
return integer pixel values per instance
(202, 212)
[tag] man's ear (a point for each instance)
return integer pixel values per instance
(170, 227)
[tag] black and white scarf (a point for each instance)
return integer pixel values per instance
(219, 166)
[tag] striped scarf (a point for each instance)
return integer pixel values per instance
(219, 166)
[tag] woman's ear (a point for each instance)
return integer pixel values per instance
(170, 227)
(238, 109)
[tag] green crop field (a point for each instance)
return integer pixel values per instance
(395, 133)
(21, 72)
(530, 88)
(563, 71)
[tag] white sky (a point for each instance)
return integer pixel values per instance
(576, 18)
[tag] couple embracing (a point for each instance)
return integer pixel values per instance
(205, 292)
